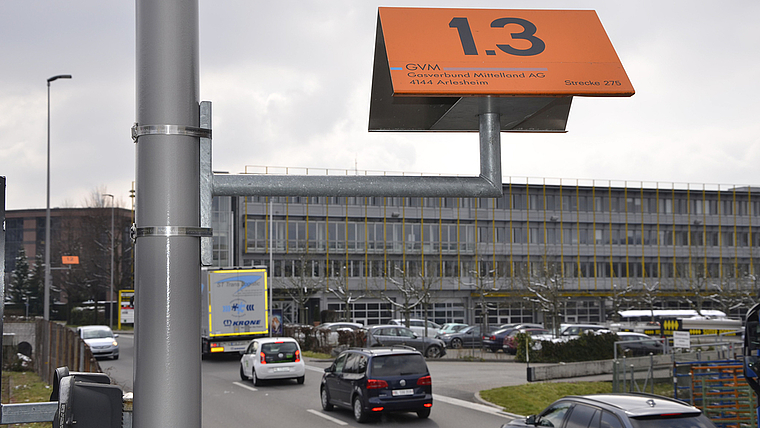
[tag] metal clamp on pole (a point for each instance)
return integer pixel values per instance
(171, 231)
(188, 131)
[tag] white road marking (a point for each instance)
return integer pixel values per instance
(449, 400)
(473, 406)
(242, 385)
(314, 369)
(329, 418)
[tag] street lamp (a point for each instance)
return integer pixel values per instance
(110, 299)
(46, 305)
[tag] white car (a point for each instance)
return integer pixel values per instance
(101, 340)
(418, 326)
(270, 358)
(573, 331)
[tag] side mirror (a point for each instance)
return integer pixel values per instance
(116, 335)
(530, 420)
(329, 369)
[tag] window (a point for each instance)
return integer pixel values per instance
(340, 363)
(553, 416)
(610, 421)
(582, 416)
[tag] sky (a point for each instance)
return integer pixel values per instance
(290, 85)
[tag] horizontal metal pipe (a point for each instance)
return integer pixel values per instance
(487, 185)
(354, 185)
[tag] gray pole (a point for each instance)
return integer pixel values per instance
(110, 293)
(46, 304)
(167, 367)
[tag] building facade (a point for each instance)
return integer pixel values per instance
(578, 251)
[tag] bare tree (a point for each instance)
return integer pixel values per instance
(620, 298)
(650, 295)
(728, 298)
(698, 289)
(484, 286)
(547, 288)
(301, 284)
(412, 289)
(87, 234)
(339, 288)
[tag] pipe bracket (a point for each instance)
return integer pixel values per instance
(170, 231)
(188, 131)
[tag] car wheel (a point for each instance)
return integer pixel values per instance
(359, 414)
(433, 352)
(300, 379)
(424, 413)
(326, 405)
(242, 373)
(256, 380)
(456, 343)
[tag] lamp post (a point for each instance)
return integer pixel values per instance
(46, 305)
(110, 298)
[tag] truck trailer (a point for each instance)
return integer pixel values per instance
(234, 308)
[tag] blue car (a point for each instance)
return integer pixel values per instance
(371, 381)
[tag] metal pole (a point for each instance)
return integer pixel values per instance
(46, 304)
(167, 368)
(110, 293)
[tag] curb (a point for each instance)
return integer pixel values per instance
(480, 399)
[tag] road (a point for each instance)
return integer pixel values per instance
(228, 401)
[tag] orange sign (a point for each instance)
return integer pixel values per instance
(473, 52)
(70, 260)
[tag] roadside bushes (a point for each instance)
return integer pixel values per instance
(587, 347)
(322, 340)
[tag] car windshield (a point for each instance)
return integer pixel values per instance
(99, 333)
(675, 421)
(398, 365)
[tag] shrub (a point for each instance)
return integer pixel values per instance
(587, 347)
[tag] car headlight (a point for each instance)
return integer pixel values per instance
(115, 343)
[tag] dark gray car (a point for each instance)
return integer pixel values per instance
(616, 411)
(468, 337)
(394, 335)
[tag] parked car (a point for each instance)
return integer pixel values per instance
(331, 330)
(268, 358)
(573, 331)
(394, 335)
(638, 344)
(494, 341)
(468, 337)
(451, 327)
(418, 326)
(101, 340)
(616, 411)
(510, 341)
(376, 380)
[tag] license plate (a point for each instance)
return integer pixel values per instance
(397, 392)
(281, 369)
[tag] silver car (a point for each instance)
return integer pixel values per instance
(394, 335)
(101, 340)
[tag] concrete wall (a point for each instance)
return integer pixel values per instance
(593, 368)
(23, 331)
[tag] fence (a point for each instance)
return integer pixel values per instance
(719, 389)
(58, 346)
